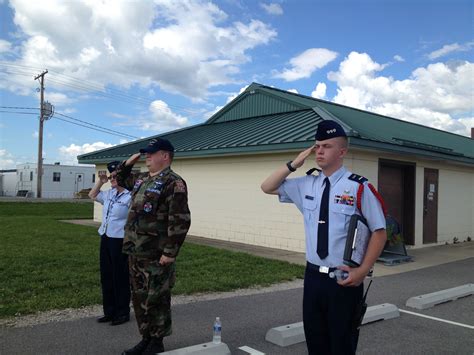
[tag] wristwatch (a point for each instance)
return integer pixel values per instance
(290, 168)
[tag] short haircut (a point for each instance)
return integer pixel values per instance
(344, 142)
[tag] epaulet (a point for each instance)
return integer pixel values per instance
(358, 178)
(312, 170)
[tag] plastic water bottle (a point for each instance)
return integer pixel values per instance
(339, 275)
(217, 330)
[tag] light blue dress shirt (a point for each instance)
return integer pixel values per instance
(115, 211)
(306, 192)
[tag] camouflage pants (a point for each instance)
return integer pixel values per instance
(151, 295)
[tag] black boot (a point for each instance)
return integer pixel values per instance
(154, 346)
(139, 348)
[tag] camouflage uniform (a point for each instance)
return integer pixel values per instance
(157, 223)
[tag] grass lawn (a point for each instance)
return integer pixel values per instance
(46, 264)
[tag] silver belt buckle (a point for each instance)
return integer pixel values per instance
(324, 269)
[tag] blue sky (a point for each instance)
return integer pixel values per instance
(139, 68)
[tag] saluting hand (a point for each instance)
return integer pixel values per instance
(299, 160)
(103, 176)
(133, 159)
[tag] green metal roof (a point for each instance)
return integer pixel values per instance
(265, 119)
(254, 103)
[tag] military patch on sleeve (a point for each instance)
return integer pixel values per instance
(147, 207)
(137, 184)
(179, 186)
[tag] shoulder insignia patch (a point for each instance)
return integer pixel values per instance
(358, 178)
(179, 186)
(311, 171)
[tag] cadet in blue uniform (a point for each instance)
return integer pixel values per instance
(327, 202)
(113, 263)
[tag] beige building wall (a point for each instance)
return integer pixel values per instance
(455, 204)
(227, 204)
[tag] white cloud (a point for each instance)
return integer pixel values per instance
(183, 46)
(6, 160)
(69, 154)
(58, 99)
(469, 123)
(233, 96)
(5, 46)
(208, 114)
(35, 134)
(398, 58)
(162, 118)
(68, 111)
(449, 48)
(433, 96)
(320, 91)
(304, 64)
(272, 9)
(117, 115)
(294, 91)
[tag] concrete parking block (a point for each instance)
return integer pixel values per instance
(380, 312)
(286, 335)
(202, 349)
(290, 334)
(432, 299)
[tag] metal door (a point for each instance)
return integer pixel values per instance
(430, 207)
(391, 189)
(79, 182)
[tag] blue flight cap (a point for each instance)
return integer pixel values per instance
(329, 129)
(112, 166)
(157, 144)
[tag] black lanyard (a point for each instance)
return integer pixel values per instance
(111, 204)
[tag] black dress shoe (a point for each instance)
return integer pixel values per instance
(139, 348)
(104, 319)
(120, 320)
(154, 346)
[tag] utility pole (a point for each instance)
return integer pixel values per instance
(40, 134)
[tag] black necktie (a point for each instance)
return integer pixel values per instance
(323, 225)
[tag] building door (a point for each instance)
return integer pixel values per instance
(397, 187)
(79, 182)
(430, 207)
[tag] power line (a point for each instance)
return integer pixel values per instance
(20, 113)
(95, 129)
(71, 120)
(20, 107)
(97, 126)
(84, 85)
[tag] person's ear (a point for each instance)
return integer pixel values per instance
(343, 152)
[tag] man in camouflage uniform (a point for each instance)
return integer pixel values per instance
(157, 224)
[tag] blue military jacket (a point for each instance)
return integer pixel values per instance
(306, 192)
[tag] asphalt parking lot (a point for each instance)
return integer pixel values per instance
(246, 320)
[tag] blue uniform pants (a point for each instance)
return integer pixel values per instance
(328, 313)
(114, 277)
